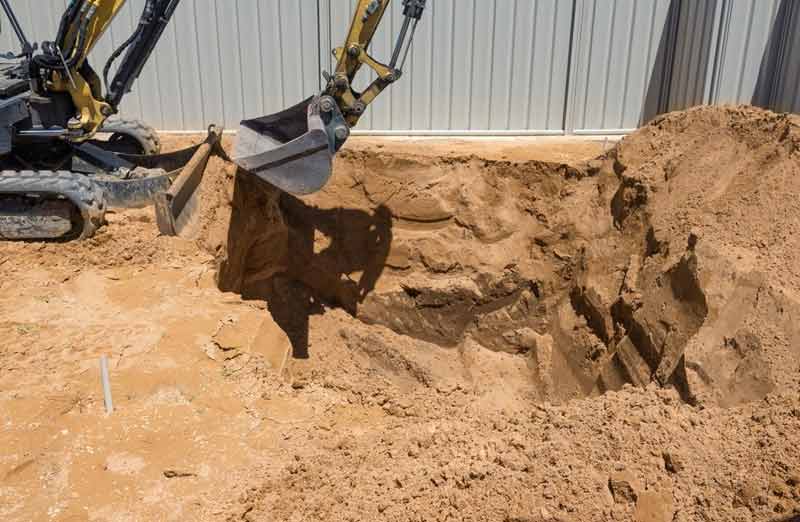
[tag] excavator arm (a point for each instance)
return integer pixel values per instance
(63, 66)
(355, 53)
(294, 149)
(53, 103)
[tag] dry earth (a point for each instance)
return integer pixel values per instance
(499, 332)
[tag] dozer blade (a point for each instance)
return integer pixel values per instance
(293, 149)
(177, 206)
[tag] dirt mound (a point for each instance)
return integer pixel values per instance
(670, 259)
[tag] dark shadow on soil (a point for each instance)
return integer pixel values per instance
(300, 258)
(335, 257)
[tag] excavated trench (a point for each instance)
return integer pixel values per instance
(639, 267)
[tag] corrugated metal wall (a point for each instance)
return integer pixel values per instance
(615, 43)
(478, 66)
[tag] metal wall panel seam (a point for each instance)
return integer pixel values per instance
(302, 51)
(200, 82)
(714, 57)
(793, 20)
(773, 91)
(513, 69)
(788, 41)
(452, 64)
(158, 87)
(698, 71)
(260, 43)
(430, 72)
(491, 60)
(628, 61)
(610, 51)
(683, 56)
(750, 16)
(219, 60)
(551, 75)
(775, 85)
(534, 22)
(280, 54)
(649, 64)
(671, 26)
(319, 46)
(411, 87)
(721, 50)
(180, 77)
(570, 89)
(589, 63)
(471, 66)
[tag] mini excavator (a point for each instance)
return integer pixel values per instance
(66, 155)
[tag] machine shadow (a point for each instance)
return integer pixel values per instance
(299, 258)
(335, 258)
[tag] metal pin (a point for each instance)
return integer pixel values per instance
(106, 384)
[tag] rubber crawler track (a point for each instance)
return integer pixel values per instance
(146, 135)
(87, 197)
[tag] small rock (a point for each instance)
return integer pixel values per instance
(624, 487)
(171, 473)
(694, 237)
(563, 256)
(672, 462)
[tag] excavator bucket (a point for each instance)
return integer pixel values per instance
(293, 149)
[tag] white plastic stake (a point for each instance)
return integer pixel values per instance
(106, 384)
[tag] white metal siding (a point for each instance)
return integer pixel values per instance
(695, 48)
(748, 27)
(478, 66)
(786, 94)
(618, 57)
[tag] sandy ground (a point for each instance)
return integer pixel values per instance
(502, 331)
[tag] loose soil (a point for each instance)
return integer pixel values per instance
(447, 331)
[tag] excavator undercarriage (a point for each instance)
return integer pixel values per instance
(65, 156)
